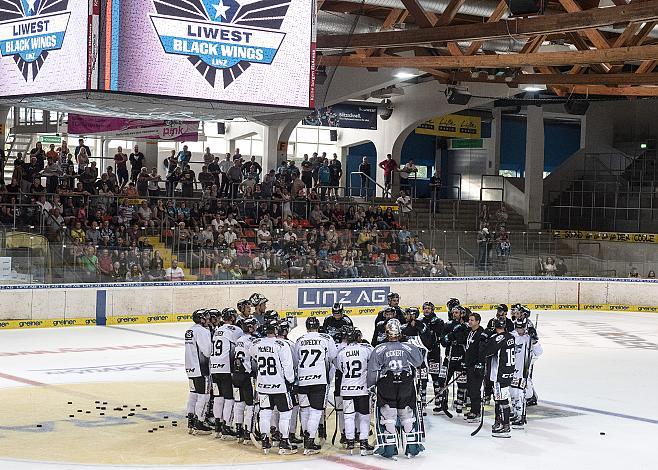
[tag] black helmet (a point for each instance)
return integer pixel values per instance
(213, 313)
(525, 311)
(284, 326)
(502, 308)
(430, 305)
(500, 323)
(198, 316)
(312, 323)
(389, 310)
(346, 332)
(229, 314)
(393, 295)
(271, 326)
(354, 336)
(242, 303)
(521, 323)
(412, 311)
(270, 315)
(337, 308)
(452, 303)
(516, 307)
(466, 312)
(249, 323)
(257, 299)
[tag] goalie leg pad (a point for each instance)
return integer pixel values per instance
(407, 418)
(385, 419)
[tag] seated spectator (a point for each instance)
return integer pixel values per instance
(651, 274)
(264, 237)
(175, 272)
(539, 267)
(634, 273)
(450, 269)
(549, 266)
(135, 274)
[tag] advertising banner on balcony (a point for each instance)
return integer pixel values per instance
(133, 129)
(452, 126)
(345, 116)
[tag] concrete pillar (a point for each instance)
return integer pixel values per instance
(493, 144)
(4, 113)
(150, 151)
(271, 154)
(534, 167)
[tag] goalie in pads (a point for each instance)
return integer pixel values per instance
(391, 370)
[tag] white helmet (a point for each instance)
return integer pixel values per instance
(393, 329)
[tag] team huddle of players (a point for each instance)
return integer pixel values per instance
(250, 383)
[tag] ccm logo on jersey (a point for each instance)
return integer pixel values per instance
(348, 388)
(309, 377)
(270, 386)
(191, 370)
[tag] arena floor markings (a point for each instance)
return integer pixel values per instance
(586, 418)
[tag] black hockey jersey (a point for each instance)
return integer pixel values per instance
(509, 325)
(399, 314)
(501, 358)
(476, 343)
(435, 328)
(331, 326)
(454, 339)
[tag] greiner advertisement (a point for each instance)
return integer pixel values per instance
(43, 46)
(226, 50)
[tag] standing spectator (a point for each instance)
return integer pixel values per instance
(187, 181)
(404, 203)
(307, 173)
(208, 157)
(483, 241)
(206, 178)
(213, 168)
(83, 160)
(550, 268)
(336, 170)
(539, 267)
(234, 175)
(224, 166)
(143, 180)
(121, 167)
(184, 156)
(81, 145)
(174, 273)
(503, 246)
(389, 166)
(153, 186)
(52, 172)
(237, 155)
(405, 173)
(324, 178)
(316, 163)
(136, 164)
(364, 169)
(52, 154)
(252, 166)
(435, 188)
(89, 263)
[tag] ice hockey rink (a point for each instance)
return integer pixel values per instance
(597, 384)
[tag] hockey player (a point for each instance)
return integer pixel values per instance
(314, 353)
(394, 303)
(332, 324)
(244, 311)
(412, 326)
(215, 318)
(198, 348)
(379, 335)
(282, 333)
(243, 389)
(260, 307)
(275, 373)
(352, 362)
(475, 359)
(527, 349)
(268, 315)
(500, 355)
(433, 338)
(501, 313)
(391, 369)
(417, 333)
(223, 355)
(454, 339)
(452, 303)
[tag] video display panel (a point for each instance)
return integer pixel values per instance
(249, 51)
(43, 46)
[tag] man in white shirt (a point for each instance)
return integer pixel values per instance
(230, 236)
(264, 236)
(174, 273)
(405, 208)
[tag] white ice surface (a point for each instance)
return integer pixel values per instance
(606, 362)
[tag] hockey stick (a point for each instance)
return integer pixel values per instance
(481, 406)
(445, 403)
(443, 389)
(526, 374)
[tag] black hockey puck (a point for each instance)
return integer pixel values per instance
(118, 409)
(132, 409)
(103, 408)
(131, 414)
(150, 430)
(70, 403)
(97, 401)
(144, 409)
(38, 425)
(166, 417)
(161, 426)
(174, 425)
(602, 433)
(102, 414)
(104, 403)
(87, 412)
(125, 406)
(124, 417)
(71, 416)
(79, 411)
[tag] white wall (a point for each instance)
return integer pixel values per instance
(44, 302)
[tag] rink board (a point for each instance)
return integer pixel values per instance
(63, 305)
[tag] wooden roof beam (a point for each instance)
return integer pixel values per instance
(495, 16)
(566, 79)
(561, 22)
(424, 19)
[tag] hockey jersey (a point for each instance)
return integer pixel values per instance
(314, 352)
(352, 362)
(522, 347)
(332, 326)
(223, 340)
(500, 351)
(274, 365)
(198, 348)
(394, 357)
(242, 353)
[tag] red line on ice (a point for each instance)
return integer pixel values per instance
(20, 379)
(350, 463)
(104, 348)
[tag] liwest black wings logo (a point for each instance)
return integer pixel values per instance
(224, 35)
(29, 29)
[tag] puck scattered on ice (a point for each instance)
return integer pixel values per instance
(166, 417)
(602, 433)
(104, 403)
(144, 409)
(79, 411)
(174, 422)
(132, 409)
(161, 426)
(124, 417)
(70, 403)
(125, 406)
(131, 414)
(150, 430)
(102, 414)
(102, 407)
(138, 405)
(97, 401)
(175, 425)
(87, 411)
(38, 425)
(71, 416)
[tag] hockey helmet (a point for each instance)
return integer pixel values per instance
(312, 323)
(393, 296)
(516, 307)
(346, 332)
(499, 323)
(337, 309)
(257, 299)
(521, 323)
(502, 308)
(284, 326)
(393, 329)
(412, 311)
(242, 303)
(466, 312)
(213, 313)
(525, 311)
(430, 306)
(457, 312)
(271, 326)
(229, 314)
(249, 325)
(452, 303)
(389, 310)
(270, 315)
(354, 336)
(200, 316)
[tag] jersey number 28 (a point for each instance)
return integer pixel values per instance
(267, 366)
